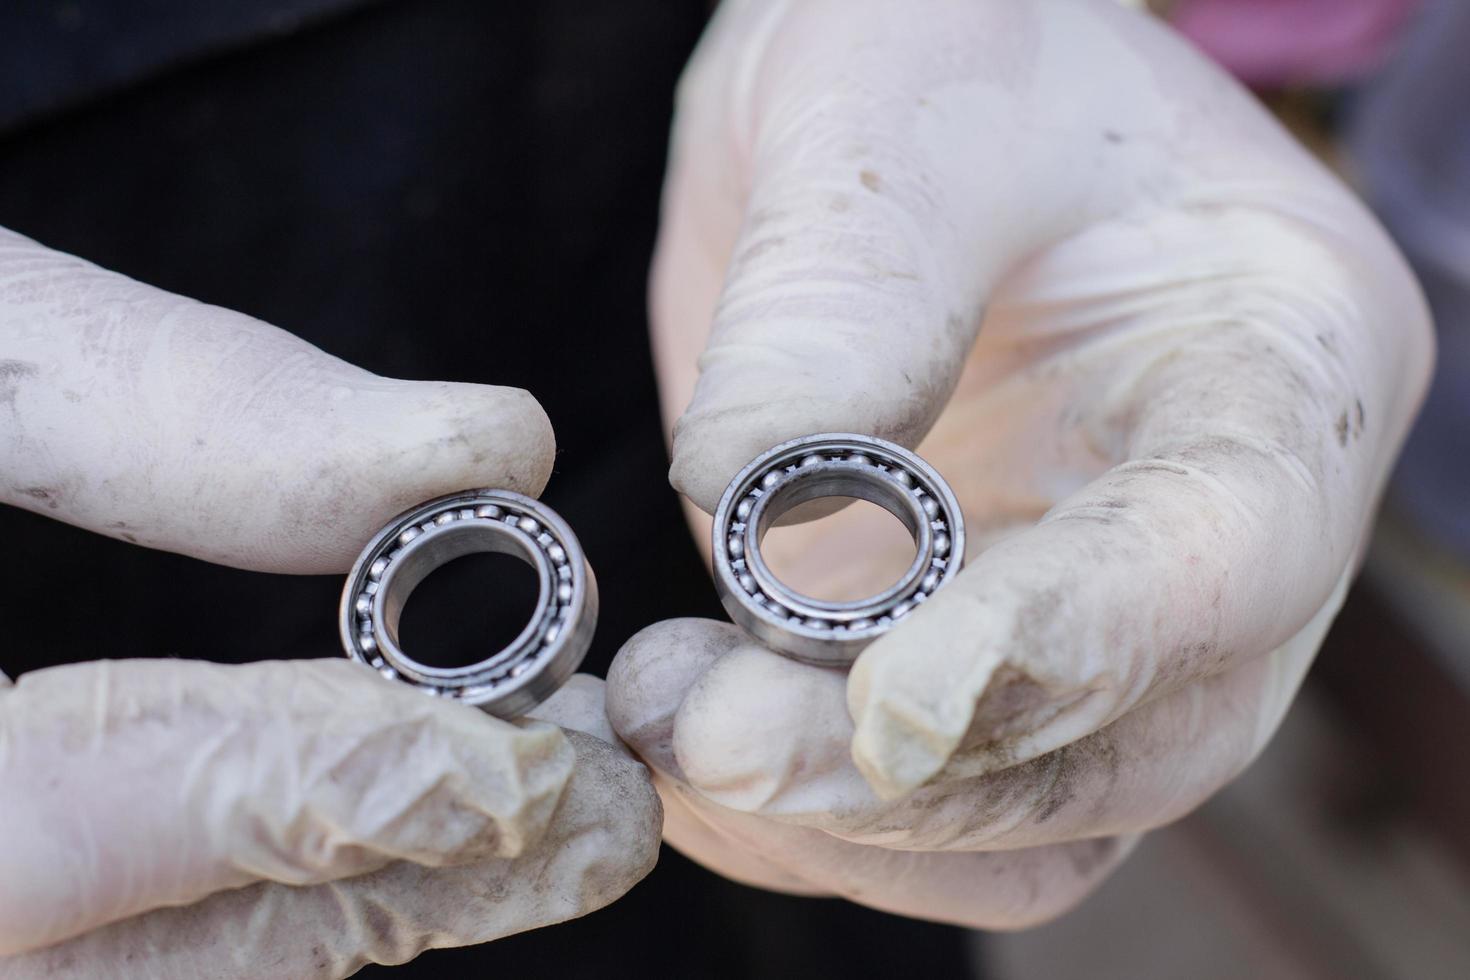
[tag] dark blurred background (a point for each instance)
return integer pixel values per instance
(468, 191)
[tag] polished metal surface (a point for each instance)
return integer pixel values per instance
(511, 681)
(831, 465)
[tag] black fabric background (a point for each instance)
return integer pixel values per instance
(448, 190)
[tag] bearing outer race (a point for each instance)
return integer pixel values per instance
(778, 616)
(508, 682)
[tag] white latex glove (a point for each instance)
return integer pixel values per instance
(169, 818)
(1164, 359)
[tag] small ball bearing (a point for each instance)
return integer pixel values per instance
(509, 682)
(818, 631)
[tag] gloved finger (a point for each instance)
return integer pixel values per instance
(979, 890)
(701, 840)
(1252, 463)
(850, 181)
(128, 785)
(650, 676)
(1007, 889)
(169, 423)
(580, 705)
(856, 279)
(641, 676)
(759, 733)
(1251, 432)
(602, 839)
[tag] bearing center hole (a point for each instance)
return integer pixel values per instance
(852, 554)
(468, 609)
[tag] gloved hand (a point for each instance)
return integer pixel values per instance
(1164, 359)
(167, 818)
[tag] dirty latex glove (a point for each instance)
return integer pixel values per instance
(166, 818)
(1164, 359)
(172, 818)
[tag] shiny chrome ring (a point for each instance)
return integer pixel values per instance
(831, 465)
(509, 682)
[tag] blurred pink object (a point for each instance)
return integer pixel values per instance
(1272, 43)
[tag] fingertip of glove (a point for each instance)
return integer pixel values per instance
(614, 792)
(459, 784)
(712, 444)
(758, 729)
(893, 762)
(379, 448)
(579, 705)
(703, 464)
(894, 744)
(487, 436)
(654, 670)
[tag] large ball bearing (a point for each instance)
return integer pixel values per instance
(508, 682)
(831, 465)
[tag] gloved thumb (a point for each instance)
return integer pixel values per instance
(138, 784)
(857, 237)
(173, 424)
